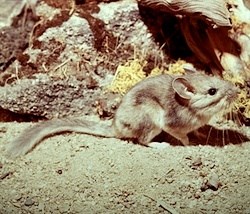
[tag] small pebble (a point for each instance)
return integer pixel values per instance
(3, 129)
(196, 163)
(29, 202)
(212, 183)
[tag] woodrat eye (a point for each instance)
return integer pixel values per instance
(212, 91)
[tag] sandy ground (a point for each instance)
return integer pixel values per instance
(77, 173)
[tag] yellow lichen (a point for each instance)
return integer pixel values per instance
(242, 101)
(234, 78)
(177, 67)
(132, 72)
(126, 76)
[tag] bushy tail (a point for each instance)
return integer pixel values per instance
(34, 135)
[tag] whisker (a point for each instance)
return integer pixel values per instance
(238, 136)
(228, 136)
(230, 115)
(208, 136)
(240, 122)
(223, 137)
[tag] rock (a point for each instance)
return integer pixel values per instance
(29, 202)
(212, 183)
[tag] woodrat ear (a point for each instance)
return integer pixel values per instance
(183, 87)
